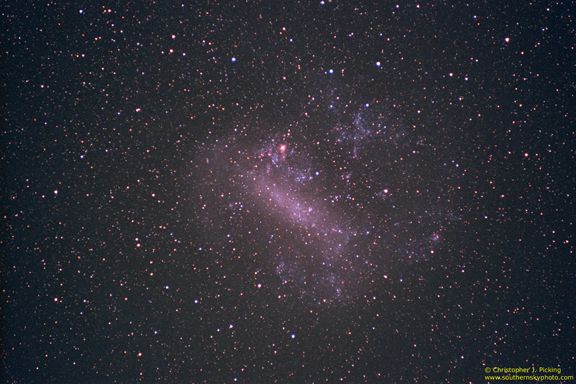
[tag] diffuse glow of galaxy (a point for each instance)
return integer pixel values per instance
(329, 218)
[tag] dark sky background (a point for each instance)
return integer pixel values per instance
(286, 191)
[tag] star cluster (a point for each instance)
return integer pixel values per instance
(286, 191)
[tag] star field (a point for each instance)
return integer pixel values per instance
(287, 192)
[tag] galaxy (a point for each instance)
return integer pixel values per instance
(317, 201)
(288, 192)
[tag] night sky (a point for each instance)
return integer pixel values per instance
(287, 191)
